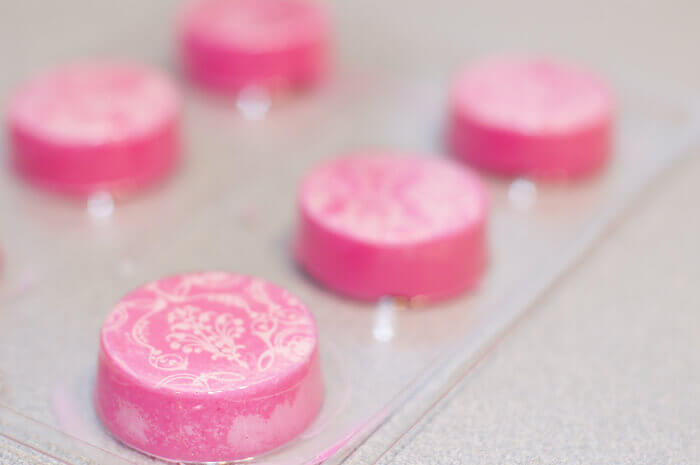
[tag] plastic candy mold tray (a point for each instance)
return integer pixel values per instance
(231, 206)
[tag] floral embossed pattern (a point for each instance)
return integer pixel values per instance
(209, 330)
(391, 199)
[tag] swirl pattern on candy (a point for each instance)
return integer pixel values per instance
(213, 366)
(95, 126)
(392, 225)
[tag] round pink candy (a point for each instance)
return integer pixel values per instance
(532, 117)
(208, 367)
(226, 45)
(95, 126)
(371, 226)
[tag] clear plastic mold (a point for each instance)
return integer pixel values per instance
(231, 207)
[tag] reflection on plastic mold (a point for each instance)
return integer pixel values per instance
(254, 102)
(384, 320)
(100, 205)
(522, 194)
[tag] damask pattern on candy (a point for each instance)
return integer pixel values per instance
(209, 330)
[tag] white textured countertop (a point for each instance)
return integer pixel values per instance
(606, 367)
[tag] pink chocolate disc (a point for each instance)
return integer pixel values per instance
(381, 225)
(530, 117)
(226, 45)
(208, 367)
(95, 126)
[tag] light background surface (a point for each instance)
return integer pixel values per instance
(607, 367)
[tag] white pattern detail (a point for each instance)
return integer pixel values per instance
(194, 331)
(390, 199)
(213, 330)
(205, 380)
(185, 287)
(139, 333)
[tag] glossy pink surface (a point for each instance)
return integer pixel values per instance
(380, 224)
(226, 45)
(208, 367)
(95, 126)
(531, 117)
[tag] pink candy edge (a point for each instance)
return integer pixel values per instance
(303, 396)
(368, 271)
(548, 155)
(154, 158)
(227, 70)
(141, 161)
